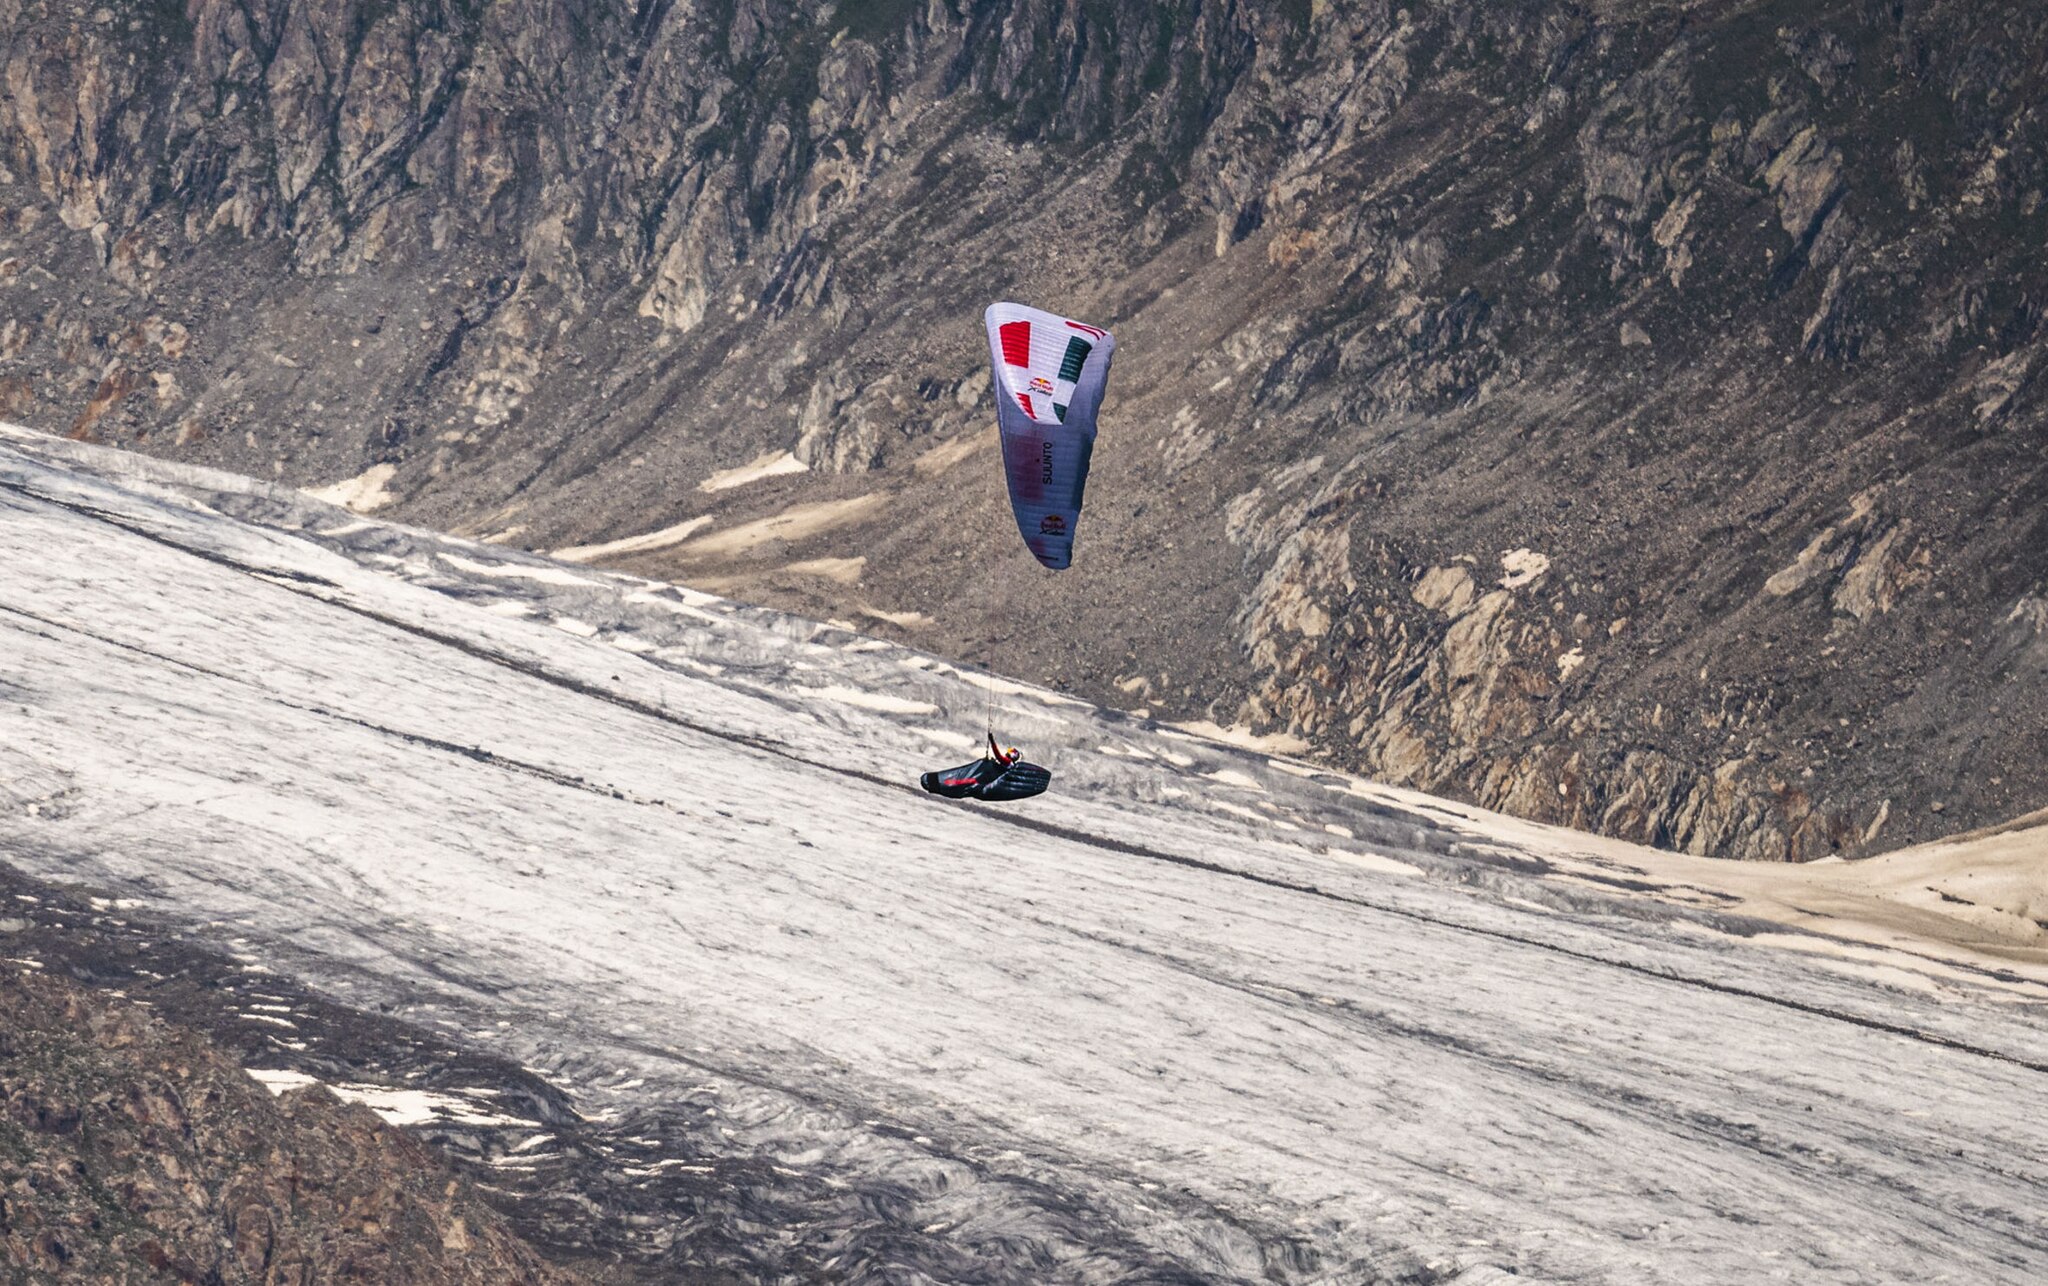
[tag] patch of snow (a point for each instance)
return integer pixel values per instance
(396, 1106)
(1296, 768)
(877, 701)
(1124, 752)
(1522, 566)
(772, 465)
(844, 570)
(1250, 814)
(1374, 862)
(418, 1107)
(668, 604)
(1006, 687)
(901, 620)
(1232, 777)
(362, 493)
(277, 1079)
(518, 571)
(672, 1163)
(646, 542)
(947, 454)
(1241, 736)
(792, 524)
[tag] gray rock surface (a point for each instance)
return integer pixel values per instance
(135, 1151)
(1704, 342)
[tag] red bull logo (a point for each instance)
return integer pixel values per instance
(1052, 525)
(1040, 384)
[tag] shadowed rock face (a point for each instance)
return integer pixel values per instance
(1628, 415)
(139, 1152)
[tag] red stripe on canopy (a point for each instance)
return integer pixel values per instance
(1016, 342)
(1025, 400)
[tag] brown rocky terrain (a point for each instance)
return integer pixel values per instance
(1624, 414)
(135, 1151)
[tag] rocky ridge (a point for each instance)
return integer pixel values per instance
(136, 1151)
(1627, 415)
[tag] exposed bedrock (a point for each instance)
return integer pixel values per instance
(139, 1152)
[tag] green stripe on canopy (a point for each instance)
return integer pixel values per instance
(1077, 353)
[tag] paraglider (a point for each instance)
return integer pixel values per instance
(996, 777)
(1050, 375)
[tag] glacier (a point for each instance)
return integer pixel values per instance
(1203, 1014)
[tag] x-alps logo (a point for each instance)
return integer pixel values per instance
(1040, 384)
(1052, 525)
(1045, 464)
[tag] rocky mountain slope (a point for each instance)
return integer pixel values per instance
(138, 1152)
(1624, 414)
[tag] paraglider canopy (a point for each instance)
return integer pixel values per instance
(1050, 373)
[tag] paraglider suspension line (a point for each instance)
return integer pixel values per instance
(988, 703)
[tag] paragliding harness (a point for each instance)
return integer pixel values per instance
(996, 777)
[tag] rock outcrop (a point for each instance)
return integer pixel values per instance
(1627, 415)
(137, 1152)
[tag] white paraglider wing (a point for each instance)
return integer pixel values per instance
(1050, 373)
